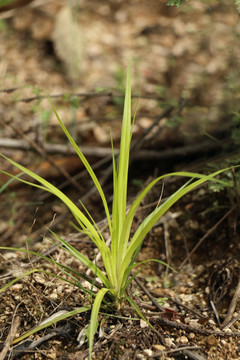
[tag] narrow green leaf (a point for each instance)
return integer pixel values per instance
(123, 163)
(126, 282)
(47, 186)
(94, 317)
(52, 321)
(10, 181)
(151, 219)
(85, 163)
(5, 287)
(78, 255)
(138, 311)
(66, 270)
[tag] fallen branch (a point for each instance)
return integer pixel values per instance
(100, 152)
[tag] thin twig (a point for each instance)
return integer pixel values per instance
(10, 90)
(13, 330)
(209, 232)
(236, 318)
(140, 141)
(215, 311)
(187, 352)
(191, 355)
(193, 311)
(43, 153)
(198, 330)
(18, 220)
(146, 292)
(110, 94)
(232, 307)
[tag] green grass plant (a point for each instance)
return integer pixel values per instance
(118, 258)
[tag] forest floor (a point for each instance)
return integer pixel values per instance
(185, 66)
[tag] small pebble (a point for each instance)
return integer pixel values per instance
(169, 342)
(148, 352)
(183, 340)
(159, 347)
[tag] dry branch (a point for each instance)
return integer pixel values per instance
(43, 153)
(100, 152)
(13, 330)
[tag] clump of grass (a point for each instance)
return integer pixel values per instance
(119, 257)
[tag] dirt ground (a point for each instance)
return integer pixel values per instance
(185, 67)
